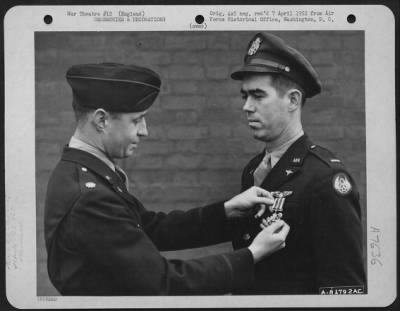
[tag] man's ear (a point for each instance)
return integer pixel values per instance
(99, 119)
(295, 98)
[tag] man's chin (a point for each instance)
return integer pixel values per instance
(259, 136)
(128, 154)
(130, 151)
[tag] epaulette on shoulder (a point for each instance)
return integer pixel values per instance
(325, 155)
(87, 180)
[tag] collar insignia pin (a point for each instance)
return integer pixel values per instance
(296, 160)
(288, 172)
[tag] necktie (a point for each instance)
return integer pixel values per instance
(262, 170)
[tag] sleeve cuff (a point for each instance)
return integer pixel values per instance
(215, 222)
(242, 267)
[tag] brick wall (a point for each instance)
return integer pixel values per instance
(199, 141)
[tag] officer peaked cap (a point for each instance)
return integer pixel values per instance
(113, 87)
(267, 53)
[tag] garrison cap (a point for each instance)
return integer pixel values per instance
(267, 53)
(113, 87)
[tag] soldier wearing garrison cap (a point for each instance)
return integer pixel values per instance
(314, 192)
(100, 239)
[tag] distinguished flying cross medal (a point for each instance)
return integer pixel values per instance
(254, 47)
(277, 208)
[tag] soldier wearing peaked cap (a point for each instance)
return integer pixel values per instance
(100, 239)
(316, 195)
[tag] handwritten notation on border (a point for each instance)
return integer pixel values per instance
(375, 246)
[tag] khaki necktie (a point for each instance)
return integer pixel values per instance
(262, 170)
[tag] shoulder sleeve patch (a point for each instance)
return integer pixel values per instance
(341, 184)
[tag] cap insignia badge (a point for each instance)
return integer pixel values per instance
(341, 184)
(254, 47)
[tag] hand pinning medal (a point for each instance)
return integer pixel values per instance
(276, 208)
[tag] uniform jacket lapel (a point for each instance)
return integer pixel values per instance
(247, 177)
(289, 165)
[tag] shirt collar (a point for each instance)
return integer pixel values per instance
(278, 152)
(76, 143)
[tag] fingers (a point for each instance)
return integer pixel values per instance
(261, 211)
(285, 230)
(273, 227)
(264, 224)
(264, 201)
(262, 192)
(263, 198)
(276, 226)
(283, 234)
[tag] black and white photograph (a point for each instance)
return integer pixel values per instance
(233, 164)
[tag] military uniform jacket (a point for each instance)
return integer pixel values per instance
(101, 240)
(324, 245)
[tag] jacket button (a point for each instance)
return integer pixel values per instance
(84, 169)
(246, 236)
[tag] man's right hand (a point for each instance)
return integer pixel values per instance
(269, 240)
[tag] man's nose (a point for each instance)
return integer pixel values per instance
(248, 105)
(142, 131)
